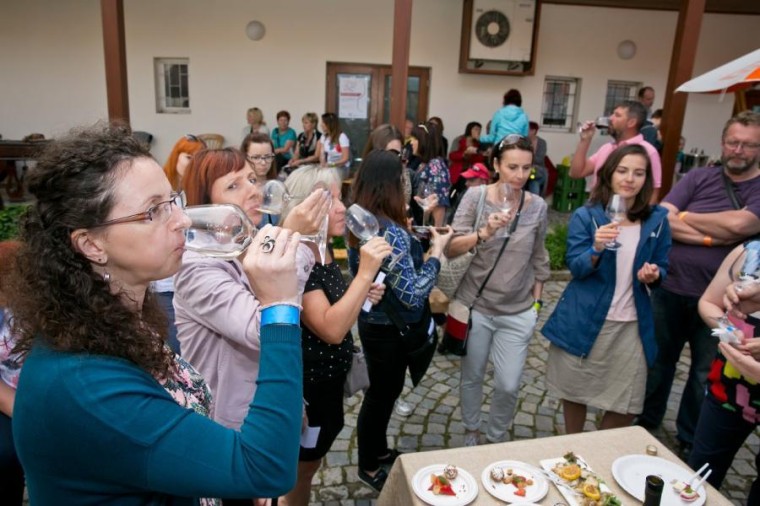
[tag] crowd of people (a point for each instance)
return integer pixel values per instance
(175, 377)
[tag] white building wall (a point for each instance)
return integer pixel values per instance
(53, 77)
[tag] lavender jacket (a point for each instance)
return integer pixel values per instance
(218, 319)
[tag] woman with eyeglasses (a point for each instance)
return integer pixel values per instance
(602, 330)
(431, 169)
(259, 154)
(307, 142)
(175, 168)
(105, 413)
(387, 137)
(505, 312)
(377, 188)
(334, 149)
(330, 309)
(219, 312)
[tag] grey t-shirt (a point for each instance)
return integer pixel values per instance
(524, 261)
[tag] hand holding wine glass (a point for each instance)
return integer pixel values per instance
(505, 202)
(270, 265)
(427, 199)
(616, 211)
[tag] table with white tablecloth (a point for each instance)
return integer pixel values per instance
(599, 449)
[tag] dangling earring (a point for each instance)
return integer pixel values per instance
(107, 277)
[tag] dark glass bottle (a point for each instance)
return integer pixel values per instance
(653, 491)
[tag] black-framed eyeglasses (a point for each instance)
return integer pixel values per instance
(514, 140)
(159, 213)
(260, 158)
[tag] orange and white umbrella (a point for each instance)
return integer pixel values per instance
(738, 74)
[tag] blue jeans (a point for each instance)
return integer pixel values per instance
(676, 322)
(11, 473)
(719, 435)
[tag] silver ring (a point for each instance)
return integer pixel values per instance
(268, 245)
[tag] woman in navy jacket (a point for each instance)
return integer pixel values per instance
(602, 330)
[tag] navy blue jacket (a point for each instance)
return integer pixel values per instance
(580, 313)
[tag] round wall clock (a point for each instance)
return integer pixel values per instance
(492, 28)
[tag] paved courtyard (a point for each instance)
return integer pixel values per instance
(436, 423)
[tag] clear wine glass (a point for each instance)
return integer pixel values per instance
(364, 225)
(616, 211)
(225, 231)
(749, 273)
(425, 198)
(505, 202)
(275, 196)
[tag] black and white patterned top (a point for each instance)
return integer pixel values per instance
(323, 361)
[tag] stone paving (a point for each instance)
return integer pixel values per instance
(436, 423)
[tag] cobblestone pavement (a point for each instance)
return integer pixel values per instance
(436, 423)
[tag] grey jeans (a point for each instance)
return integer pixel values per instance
(504, 339)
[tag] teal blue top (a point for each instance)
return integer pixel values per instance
(100, 430)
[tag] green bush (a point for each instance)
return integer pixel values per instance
(9, 221)
(556, 245)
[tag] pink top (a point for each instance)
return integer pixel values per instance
(604, 152)
(623, 308)
(218, 316)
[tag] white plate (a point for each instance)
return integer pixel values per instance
(464, 485)
(630, 471)
(572, 496)
(533, 493)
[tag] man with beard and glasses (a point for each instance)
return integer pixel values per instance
(625, 125)
(711, 210)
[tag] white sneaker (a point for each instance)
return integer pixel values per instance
(403, 408)
(472, 438)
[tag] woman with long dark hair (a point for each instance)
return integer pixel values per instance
(602, 330)
(334, 148)
(377, 188)
(105, 413)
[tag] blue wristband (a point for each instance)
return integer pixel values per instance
(594, 253)
(280, 315)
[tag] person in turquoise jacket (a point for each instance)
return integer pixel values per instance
(510, 119)
(105, 413)
(602, 329)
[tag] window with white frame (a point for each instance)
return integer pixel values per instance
(559, 107)
(619, 91)
(172, 93)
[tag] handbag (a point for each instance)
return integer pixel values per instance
(453, 269)
(357, 377)
(459, 316)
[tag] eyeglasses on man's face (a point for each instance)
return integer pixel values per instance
(159, 213)
(260, 158)
(747, 146)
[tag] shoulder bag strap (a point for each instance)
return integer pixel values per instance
(732, 196)
(512, 228)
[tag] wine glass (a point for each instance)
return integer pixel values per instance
(275, 196)
(225, 231)
(364, 225)
(504, 201)
(425, 198)
(749, 273)
(616, 211)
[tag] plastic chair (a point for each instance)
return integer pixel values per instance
(213, 141)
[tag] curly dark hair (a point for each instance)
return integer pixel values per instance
(58, 297)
